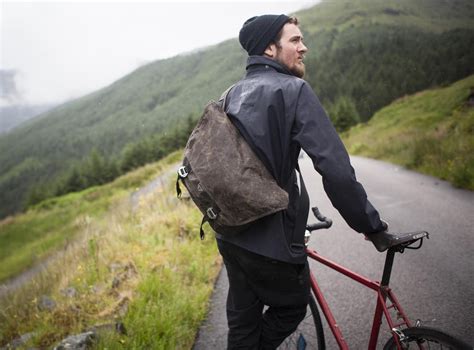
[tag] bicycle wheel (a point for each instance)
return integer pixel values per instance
(427, 338)
(309, 334)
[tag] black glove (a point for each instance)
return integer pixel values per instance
(383, 240)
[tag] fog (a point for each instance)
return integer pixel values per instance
(55, 51)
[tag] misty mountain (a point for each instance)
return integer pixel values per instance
(12, 116)
(365, 53)
(8, 91)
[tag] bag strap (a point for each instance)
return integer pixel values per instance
(223, 97)
(201, 231)
(211, 214)
(301, 215)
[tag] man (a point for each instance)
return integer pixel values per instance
(278, 114)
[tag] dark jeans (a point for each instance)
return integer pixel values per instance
(255, 281)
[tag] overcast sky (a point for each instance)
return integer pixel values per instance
(53, 51)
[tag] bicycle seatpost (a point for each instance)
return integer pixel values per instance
(406, 240)
(387, 269)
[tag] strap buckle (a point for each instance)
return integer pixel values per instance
(211, 213)
(183, 172)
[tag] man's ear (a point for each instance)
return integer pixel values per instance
(270, 51)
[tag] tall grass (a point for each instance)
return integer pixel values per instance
(28, 238)
(145, 267)
(431, 132)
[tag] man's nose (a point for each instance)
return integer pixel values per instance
(303, 48)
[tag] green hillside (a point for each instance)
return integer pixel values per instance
(363, 55)
(373, 51)
(428, 15)
(431, 132)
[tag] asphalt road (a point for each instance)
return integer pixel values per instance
(433, 284)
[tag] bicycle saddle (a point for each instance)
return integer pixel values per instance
(385, 240)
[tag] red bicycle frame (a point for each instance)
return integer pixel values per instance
(383, 292)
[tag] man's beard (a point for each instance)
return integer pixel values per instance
(297, 70)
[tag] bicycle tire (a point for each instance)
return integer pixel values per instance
(433, 338)
(311, 329)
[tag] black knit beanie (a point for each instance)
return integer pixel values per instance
(259, 31)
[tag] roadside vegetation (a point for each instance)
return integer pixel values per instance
(145, 269)
(430, 132)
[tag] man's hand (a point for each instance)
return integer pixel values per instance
(382, 240)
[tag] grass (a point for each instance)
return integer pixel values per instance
(430, 132)
(146, 268)
(28, 238)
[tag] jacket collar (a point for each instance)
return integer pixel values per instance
(259, 62)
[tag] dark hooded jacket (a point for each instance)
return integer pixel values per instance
(278, 114)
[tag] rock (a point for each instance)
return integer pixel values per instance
(115, 266)
(116, 281)
(97, 288)
(77, 342)
(118, 327)
(69, 292)
(120, 307)
(19, 342)
(46, 303)
(123, 308)
(127, 271)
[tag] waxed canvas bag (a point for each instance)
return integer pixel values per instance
(224, 177)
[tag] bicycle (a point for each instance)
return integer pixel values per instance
(405, 334)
